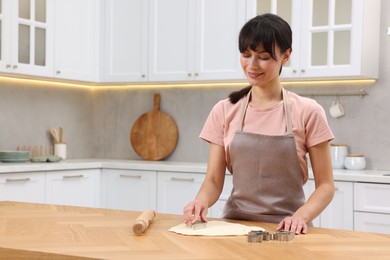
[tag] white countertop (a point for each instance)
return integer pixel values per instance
(375, 176)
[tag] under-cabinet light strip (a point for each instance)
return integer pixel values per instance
(98, 86)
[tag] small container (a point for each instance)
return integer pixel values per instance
(60, 150)
(355, 162)
(338, 154)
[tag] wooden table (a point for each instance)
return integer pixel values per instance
(37, 231)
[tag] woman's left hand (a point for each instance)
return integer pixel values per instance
(294, 224)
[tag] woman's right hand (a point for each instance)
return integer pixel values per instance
(195, 210)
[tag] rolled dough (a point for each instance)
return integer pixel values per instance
(215, 228)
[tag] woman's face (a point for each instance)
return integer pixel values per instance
(259, 66)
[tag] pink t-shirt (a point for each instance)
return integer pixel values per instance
(310, 126)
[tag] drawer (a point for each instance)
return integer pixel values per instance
(372, 222)
(372, 197)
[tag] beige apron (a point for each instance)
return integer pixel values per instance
(267, 177)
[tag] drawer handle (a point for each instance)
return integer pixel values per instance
(72, 176)
(130, 176)
(336, 188)
(182, 179)
(18, 180)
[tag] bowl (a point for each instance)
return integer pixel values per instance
(355, 162)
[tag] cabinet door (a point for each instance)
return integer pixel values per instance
(73, 188)
(129, 189)
(372, 197)
(76, 38)
(176, 190)
(336, 36)
(372, 222)
(24, 187)
(218, 207)
(217, 27)
(339, 213)
(126, 37)
(27, 40)
(308, 189)
(171, 40)
(290, 11)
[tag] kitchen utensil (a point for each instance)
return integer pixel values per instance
(143, 221)
(60, 150)
(154, 134)
(61, 135)
(54, 134)
(197, 225)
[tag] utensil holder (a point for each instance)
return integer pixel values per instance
(60, 150)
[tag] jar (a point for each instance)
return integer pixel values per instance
(355, 162)
(338, 153)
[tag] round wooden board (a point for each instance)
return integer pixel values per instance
(154, 134)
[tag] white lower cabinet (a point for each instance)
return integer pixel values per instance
(129, 189)
(216, 210)
(23, 187)
(372, 207)
(73, 187)
(339, 213)
(175, 190)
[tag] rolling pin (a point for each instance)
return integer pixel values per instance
(143, 221)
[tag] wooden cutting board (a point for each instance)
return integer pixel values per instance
(154, 134)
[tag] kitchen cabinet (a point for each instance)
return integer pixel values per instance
(126, 41)
(193, 40)
(73, 188)
(76, 39)
(216, 210)
(339, 213)
(175, 190)
(372, 207)
(27, 37)
(331, 39)
(23, 187)
(129, 189)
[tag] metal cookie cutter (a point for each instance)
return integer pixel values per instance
(284, 235)
(255, 236)
(197, 225)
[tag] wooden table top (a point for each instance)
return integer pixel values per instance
(38, 231)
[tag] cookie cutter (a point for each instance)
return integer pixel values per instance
(260, 235)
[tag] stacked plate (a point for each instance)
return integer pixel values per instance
(14, 156)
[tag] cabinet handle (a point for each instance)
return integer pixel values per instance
(18, 180)
(303, 71)
(336, 188)
(130, 176)
(72, 176)
(143, 76)
(182, 179)
(8, 66)
(294, 71)
(58, 72)
(15, 66)
(189, 75)
(196, 74)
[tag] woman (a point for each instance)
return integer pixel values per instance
(262, 134)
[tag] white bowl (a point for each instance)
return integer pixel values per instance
(355, 162)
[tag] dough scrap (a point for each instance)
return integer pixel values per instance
(216, 228)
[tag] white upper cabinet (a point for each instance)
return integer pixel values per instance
(126, 41)
(76, 39)
(26, 37)
(195, 39)
(331, 38)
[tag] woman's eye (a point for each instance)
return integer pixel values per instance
(262, 57)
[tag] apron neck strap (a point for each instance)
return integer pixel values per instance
(286, 106)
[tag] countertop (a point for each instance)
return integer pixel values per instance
(43, 231)
(374, 176)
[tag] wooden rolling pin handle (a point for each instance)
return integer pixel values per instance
(143, 221)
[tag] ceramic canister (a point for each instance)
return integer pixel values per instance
(338, 154)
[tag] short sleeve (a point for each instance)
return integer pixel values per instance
(213, 129)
